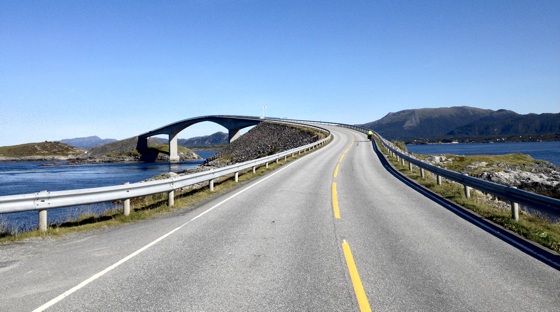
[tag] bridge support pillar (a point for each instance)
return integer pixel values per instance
(173, 154)
(142, 144)
(234, 134)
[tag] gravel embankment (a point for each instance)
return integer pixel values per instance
(263, 140)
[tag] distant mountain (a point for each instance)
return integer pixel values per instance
(464, 121)
(218, 138)
(514, 125)
(87, 143)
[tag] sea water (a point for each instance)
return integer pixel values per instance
(31, 177)
(549, 151)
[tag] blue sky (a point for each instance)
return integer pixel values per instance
(120, 68)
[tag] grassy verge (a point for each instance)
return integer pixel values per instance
(149, 207)
(534, 227)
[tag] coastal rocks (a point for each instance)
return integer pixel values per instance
(165, 175)
(540, 178)
(436, 159)
(132, 158)
(38, 158)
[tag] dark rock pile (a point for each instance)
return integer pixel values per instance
(264, 139)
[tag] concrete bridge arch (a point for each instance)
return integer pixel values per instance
(234, 124)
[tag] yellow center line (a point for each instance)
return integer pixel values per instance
(336, 170)
(335, 202)
(361, 296)
(334, 194)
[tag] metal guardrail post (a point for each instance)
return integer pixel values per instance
(467, 191)
(43, 220)
(126, 205)
(515, 211)
(171, 198)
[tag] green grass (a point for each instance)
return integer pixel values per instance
(148, 207)
(536, 228)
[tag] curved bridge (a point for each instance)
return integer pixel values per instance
(234, 124)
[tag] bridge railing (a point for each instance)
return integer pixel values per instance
(44, 200)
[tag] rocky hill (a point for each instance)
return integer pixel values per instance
(463, 122)
(264, 139)
(216, 139)
(39, 151)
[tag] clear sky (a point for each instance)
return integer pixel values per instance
(120, 68)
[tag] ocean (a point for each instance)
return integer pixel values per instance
(549, 151)
(31, 177)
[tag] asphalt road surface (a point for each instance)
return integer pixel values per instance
(332, 231)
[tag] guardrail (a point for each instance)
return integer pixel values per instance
(514, 196)
(44, 200)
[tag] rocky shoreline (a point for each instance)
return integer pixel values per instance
(80, 160)
(539, 177)
(37, 158)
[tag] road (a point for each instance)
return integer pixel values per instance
(332, 231)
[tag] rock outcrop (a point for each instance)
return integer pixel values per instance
(540, 177)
